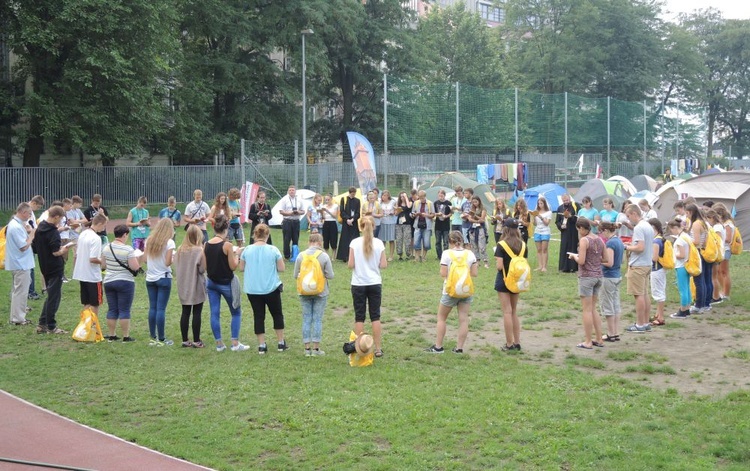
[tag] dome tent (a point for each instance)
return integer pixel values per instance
(598, 189)
(644, 182)
(552, 192)
(730, 188)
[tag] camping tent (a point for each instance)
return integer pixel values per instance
(451, 179)
(432, 192)
(598, 189)
(552, 192)
(627, 184)
(649, 196)
(730, 188)
(644, 182)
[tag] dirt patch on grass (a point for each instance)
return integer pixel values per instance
(705, 355)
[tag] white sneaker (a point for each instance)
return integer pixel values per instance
(318, 352)
(239, 348)
(221, 348)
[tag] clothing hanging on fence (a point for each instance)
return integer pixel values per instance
(482, 177)
(673, 167)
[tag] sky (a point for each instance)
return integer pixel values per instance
(731, 9)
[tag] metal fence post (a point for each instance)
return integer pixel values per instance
(296, 163)
(566, 141)
(385, 130)
(457, 127)
(516, 123)
(609, 135)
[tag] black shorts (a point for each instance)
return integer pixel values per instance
(500, 284)
(362, 296)
(91, 293)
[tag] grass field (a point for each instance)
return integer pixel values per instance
(411, 410)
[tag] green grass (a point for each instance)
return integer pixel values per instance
(485, 409)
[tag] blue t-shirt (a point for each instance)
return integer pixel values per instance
(261, 276)
(608, 215)
(589, 214)
(618, 248)
(234, 205)
(173, 214)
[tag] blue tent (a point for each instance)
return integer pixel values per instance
(552, 192)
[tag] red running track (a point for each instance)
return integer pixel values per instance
(20, 425)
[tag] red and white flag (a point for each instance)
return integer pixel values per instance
(248, 195)
(598, 171)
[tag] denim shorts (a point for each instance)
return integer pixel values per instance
(235, 233)
(541, 237)
(449, 301)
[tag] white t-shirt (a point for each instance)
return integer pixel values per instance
(681, 242)
(89, 246)
(332, 208)
(642, 232)
(197, 210)
(290, 204)
(721, 230)
(624, 231)
(541, 228)
(157, 268)
(446, 260)
(389, 212)
(366, 270)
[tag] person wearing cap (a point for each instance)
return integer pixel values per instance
(366, 259)
(509, 301)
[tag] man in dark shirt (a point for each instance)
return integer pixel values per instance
(443, 213)
(47, 245)
(91, 212)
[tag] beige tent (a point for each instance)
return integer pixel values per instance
(730, 188)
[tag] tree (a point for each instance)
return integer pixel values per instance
(457, 46)
(589, 47)
(361, 41)
(723, 87)
(96, 72)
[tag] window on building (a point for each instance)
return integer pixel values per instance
(491, 13)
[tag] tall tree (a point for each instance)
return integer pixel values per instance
(723, 87)
(456, 45)
(589, 47)
(361, 40)
(95, 71)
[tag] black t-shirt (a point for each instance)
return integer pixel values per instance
(91, 212)
(443, 207)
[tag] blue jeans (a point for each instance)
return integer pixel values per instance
(120, 295)
(158, 297)
(704, 287)
(312, 317)
(215, 292)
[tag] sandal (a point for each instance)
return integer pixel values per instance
(378, 353)
(583, 345)
(658, 322)
(610, 338)
(597, 344)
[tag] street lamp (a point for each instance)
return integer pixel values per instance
(304, 33)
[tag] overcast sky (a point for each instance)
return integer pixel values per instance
(734, 9)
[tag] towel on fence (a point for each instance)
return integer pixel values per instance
(481, 174)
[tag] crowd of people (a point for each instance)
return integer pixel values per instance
(373, 232)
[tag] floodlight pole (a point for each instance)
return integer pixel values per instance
(304, 108)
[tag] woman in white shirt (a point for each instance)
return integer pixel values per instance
(159, 251)
(366, 258)
(542, 233)
(387, 231)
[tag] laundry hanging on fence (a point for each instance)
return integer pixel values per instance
(515, 174)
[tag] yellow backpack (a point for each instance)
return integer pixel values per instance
(311, 280)
(712, 251)
(2, 247)
(736, 244)
(693, 262)
(459, 284)
(666, 259)
(518, 277)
